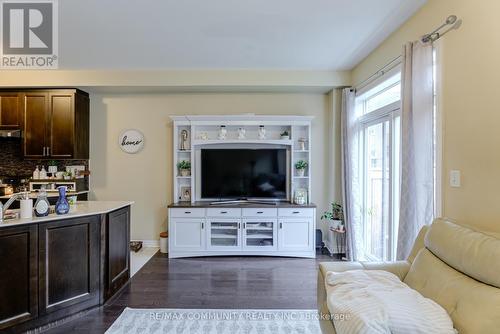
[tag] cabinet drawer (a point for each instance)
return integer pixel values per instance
(223, 212)
(260, 212)
(187, 212)
(295, 212)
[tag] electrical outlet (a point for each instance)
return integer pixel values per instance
(455, 181)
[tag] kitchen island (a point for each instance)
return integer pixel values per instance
(56, 266)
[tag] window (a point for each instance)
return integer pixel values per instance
(379, 111)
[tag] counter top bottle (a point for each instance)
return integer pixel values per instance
(42, 205)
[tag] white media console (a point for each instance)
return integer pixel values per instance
(199, 228)
(196, 230)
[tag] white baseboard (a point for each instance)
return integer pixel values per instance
(149, 243)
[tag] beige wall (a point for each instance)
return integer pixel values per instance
(469, 90)
(146, 178)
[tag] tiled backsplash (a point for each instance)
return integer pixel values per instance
(13, 165)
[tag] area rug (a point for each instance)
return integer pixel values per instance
(205, 321)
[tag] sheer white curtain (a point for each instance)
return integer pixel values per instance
(351, 183)
(417, 147)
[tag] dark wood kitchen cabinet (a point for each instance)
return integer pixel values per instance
(118, 252)
(10, 111)
(52, 270)
(18, 275)
(69, 261)
(55, 122)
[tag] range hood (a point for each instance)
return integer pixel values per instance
(10, 133)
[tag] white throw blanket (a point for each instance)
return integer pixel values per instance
(376, 301)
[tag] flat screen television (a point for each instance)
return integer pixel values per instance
(244, 173)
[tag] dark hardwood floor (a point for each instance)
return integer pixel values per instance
(209, 283)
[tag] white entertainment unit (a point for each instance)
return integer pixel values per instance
(200, 227)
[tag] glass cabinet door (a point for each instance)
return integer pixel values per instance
(259, 234)
(224, 234)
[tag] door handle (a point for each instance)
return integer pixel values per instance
(223, 212)
(244, 225)
(239, 225)
(48, 150)
(260, 212)
(187, 212)
(295, 212)
(202, 226)
(281, 225)
(43, 154)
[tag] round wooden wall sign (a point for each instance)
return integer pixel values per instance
(131, 141)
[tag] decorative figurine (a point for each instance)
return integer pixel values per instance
(262, 132)
(241, 133)
(184, 138)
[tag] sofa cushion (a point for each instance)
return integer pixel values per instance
(473, 253)
(473, 306)
(418, 244)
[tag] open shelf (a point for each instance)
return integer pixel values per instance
(203, 133)
(243, 141)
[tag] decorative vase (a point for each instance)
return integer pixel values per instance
(185, 172)
(302, 144)
(62, 205)
(301, 172)
(283, 137)
(222, 132)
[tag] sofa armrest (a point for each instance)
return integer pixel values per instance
(398, 268)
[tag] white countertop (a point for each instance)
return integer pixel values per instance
(34, 194)
(81, 209)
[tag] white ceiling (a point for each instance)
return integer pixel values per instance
(225, 34)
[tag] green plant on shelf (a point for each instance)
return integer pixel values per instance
(284, 133)
(183, 165)
(301, 165)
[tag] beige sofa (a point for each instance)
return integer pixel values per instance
(455, 266)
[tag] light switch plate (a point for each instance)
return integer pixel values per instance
(455, 181)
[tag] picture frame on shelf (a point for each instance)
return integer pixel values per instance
(185, 194)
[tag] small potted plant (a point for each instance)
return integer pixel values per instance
(67, 175)
(184, 168)
(335, 215)
(285, 135)
(300, 167)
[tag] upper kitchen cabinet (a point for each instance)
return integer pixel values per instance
(56, 124)
(10, 111)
